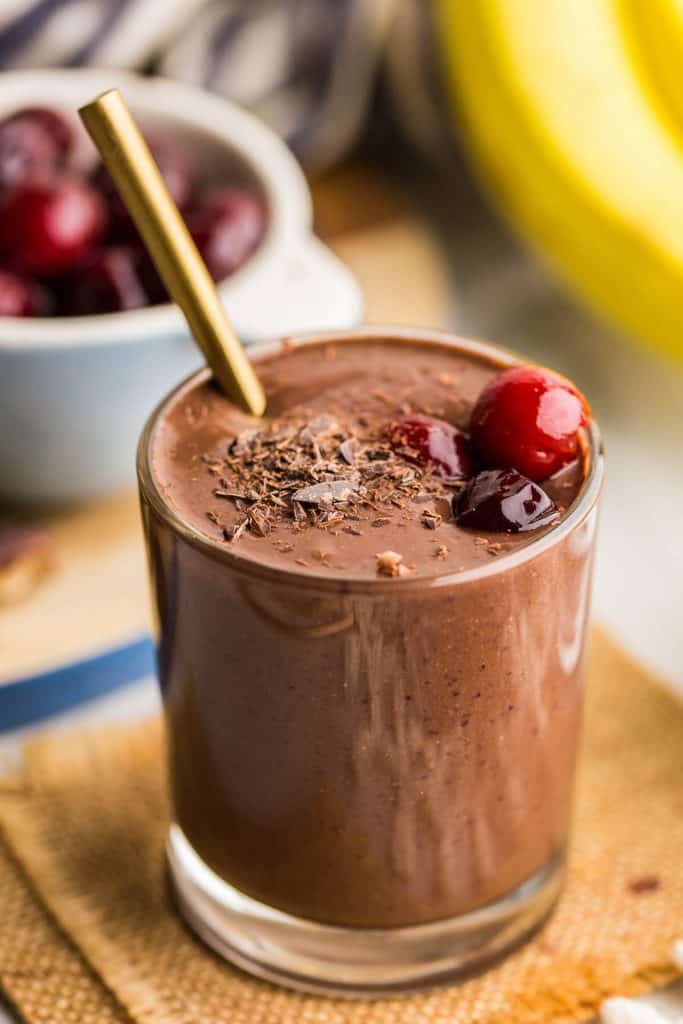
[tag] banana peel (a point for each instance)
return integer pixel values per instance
(656, 28)
(579, 144)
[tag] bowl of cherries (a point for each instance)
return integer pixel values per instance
(89, 341)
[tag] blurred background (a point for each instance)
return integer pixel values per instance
(510, 169)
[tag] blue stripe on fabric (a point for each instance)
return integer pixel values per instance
(48, 693)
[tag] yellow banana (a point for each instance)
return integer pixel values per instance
(567, 131)
(657, 33)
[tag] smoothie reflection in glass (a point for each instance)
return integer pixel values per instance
(371, 649)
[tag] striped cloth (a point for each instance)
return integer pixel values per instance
(312, 69)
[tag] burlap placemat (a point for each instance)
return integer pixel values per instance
(87, 931)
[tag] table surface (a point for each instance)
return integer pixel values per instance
(492, 289)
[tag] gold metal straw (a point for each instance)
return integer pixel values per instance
(131, 165)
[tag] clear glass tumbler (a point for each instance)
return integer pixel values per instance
(371, 779)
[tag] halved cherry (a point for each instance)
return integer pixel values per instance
(504, 501)
(528, 417)
(428, 441)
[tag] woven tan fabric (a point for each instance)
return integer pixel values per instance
(41, 972)
(86, 825)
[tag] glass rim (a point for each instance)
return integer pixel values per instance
(310, 579)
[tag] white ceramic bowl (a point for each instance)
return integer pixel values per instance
(75, 392)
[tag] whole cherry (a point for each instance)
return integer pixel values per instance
(178, 170)
(428, 441)
(21, 297)
(108, 281)
(53, 124)
(149, 276)
(34, 143)
(49, 227)
(528, 417)
(227, 226)
(504, 501)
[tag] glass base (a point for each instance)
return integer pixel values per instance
(353, 962)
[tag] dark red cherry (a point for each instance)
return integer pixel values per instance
(529, 418)
(504, 501)
(33, 144)
(227, 225)
(178, 171)
(20, 297)
(108, 281)
(177, 168)
(149, 275)
(49, 227)
(431, 442)
(53, 124)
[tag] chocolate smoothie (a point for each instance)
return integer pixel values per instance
(372, 711)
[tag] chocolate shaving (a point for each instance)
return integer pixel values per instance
(224, 493)
(299, 512)
(331, 519)
(347, 450)
(243, 442)
(298, 474)
(430, 519)
(259, 522)
(318, 428)
(233, 533)
(443, 505)
(328, 492)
